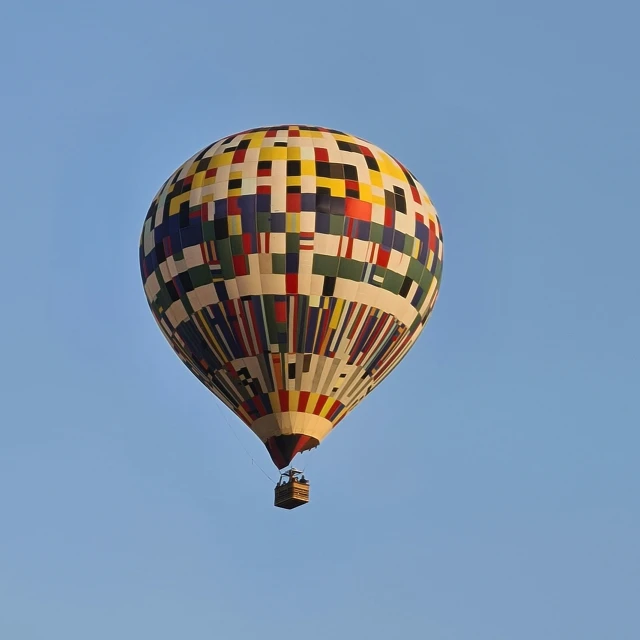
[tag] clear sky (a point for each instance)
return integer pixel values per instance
(488, 489)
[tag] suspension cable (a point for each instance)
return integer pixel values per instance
(235, 435)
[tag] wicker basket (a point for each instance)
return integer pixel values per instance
(291, 494)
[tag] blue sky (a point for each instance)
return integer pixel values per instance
(488, 489)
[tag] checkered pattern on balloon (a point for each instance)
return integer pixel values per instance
(291, 268)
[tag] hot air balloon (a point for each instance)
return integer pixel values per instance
(291, 268)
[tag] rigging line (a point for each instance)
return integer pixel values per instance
(310, 459)
(235, 435)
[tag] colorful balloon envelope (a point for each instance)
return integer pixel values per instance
(291, 268)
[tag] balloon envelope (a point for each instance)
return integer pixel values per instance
(291, 268)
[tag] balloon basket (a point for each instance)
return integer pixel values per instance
(292, 490)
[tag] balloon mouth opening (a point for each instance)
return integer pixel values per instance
(283, 449)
